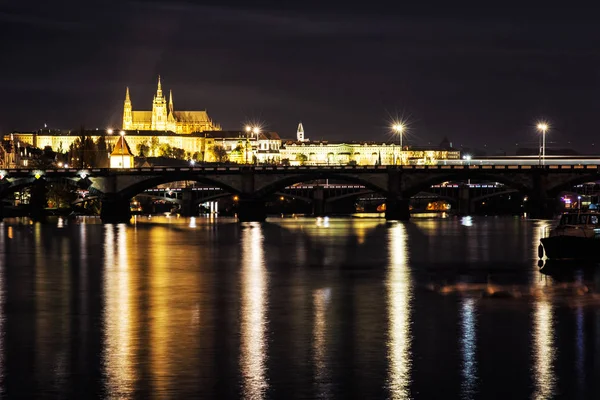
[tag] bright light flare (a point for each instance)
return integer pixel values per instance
(398, 127)
(543, 126)
(122, 133)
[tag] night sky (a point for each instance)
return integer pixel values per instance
(481, 77)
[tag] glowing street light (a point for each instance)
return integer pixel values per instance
(109, 131)
(398, 128)
(543, 127)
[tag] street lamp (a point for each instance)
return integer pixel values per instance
(543, 127)
(399, 129)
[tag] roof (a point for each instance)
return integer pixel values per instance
(141, 116)
(191, 116)
(121, 148)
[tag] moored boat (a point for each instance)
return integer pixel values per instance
(577, 237)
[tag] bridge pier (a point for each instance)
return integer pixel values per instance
(464, 200)
(397, 209)
(319, 202)
(38, 201)
(115, 210)
(251, 210)
(539, 204)
(187, 203)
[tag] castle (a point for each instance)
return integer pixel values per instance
(163, 117)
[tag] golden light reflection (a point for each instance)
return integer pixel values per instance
(321, 299)
(543, 326)
(163, 317)
(469, 347)
(118, 315)
(399, 304)
(2, 315)
(253, 313)
(543, 344)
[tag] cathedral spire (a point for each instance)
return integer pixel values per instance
(127, 95)
(159, 89)
(171, 101)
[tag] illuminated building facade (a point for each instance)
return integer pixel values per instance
(239, 146)
(360, 153)
(163, 116)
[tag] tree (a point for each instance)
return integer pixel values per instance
(219, 153)
(154, 144)
(102, 160)
(89, 152)
(178, 153)
(285, 161)
(143, 149)
(197, 156)
(165, 150)
(302, 158)
(61, 195)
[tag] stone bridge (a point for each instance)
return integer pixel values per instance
(115, 187)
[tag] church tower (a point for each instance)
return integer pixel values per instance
(171, 122)
(127, 115)
(300, 133)
(159, 110)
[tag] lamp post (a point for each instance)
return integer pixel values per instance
(543, 127)
(248, 131)
(399, 129)
(122, 133)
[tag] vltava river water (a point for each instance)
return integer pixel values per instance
(292, 308)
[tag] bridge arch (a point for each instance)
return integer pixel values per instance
(153, 181)
(567, 186)
(462, 175)
(282, 183)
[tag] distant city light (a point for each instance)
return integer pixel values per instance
(109, 131)
(248, 128)
(256, 130)
(122, 133)
(192, 162)
(467, 157)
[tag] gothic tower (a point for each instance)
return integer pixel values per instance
(127, 116)
(171, 122)
(300, 133)
(159, 110)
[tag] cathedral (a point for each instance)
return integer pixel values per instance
(163, 117)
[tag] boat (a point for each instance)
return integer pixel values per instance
(576, 237)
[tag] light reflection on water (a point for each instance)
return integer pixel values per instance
(201, 309)
(321, 298)
(253, 313)
(119, 322)
(469, 347)
(399, 308)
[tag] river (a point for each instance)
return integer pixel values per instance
(452, 308)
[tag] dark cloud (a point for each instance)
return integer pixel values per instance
(478, 76)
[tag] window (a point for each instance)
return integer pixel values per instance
(594, 219)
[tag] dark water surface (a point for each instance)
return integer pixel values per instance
(292, 308)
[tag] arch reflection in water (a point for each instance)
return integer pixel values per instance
(253, 318)
(469, 347)
(321, 299)
(118, 353)
(399, 307)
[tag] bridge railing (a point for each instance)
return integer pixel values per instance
(300, 169)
